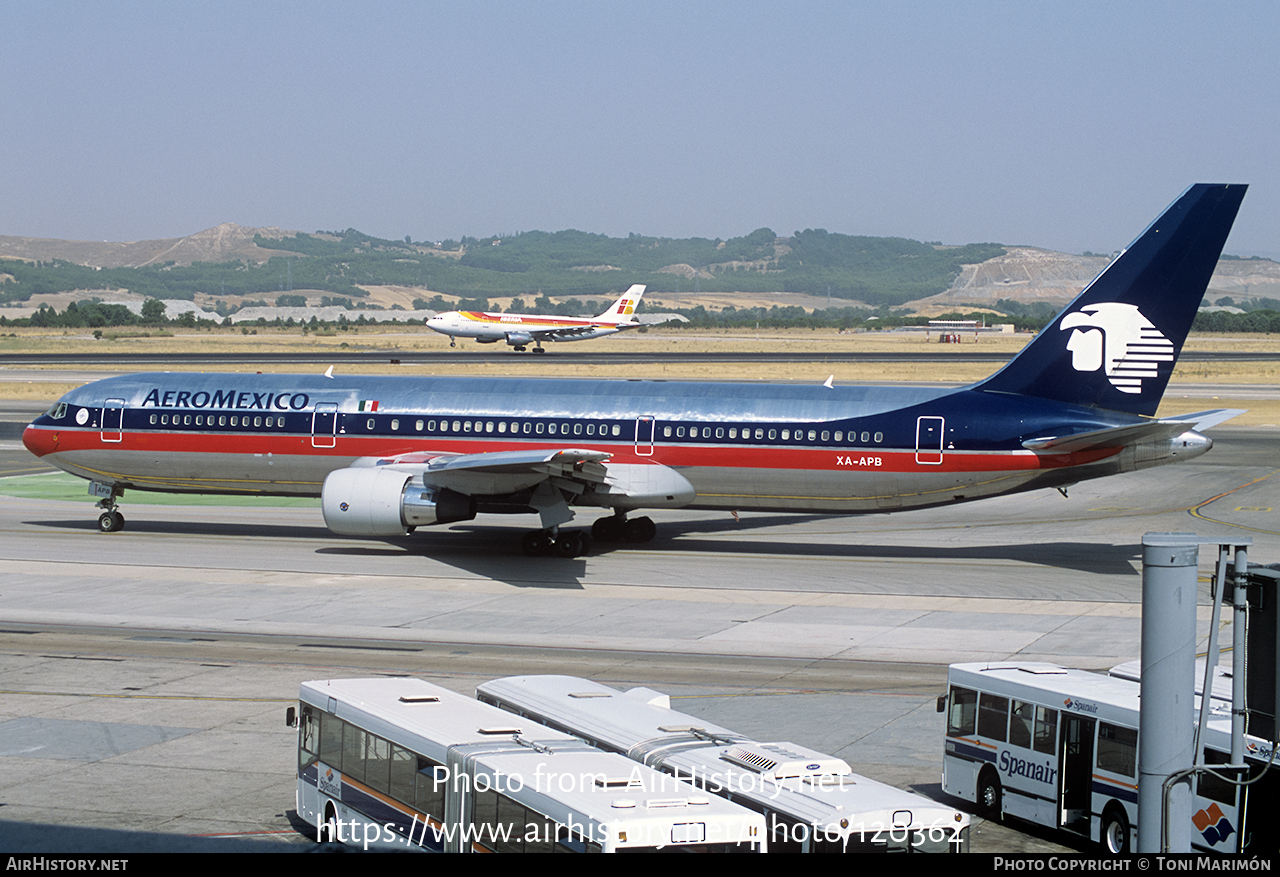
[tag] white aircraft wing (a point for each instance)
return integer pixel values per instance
(563, 332)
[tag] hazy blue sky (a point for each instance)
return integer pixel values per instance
(1066, 125)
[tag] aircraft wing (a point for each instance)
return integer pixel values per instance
(1121, 436)
(563, 332)
(497, 472)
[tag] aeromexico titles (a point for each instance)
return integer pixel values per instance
(387, 455)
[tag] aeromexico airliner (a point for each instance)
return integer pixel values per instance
(389, 454)
(521, 330)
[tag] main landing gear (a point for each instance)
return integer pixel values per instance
(570, 543)
(616, 528)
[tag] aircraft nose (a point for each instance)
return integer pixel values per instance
(40, 441)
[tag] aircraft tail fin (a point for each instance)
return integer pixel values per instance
(622, 309)
(1115, 345)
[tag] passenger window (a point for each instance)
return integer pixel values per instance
(693, 432)
(993, 717)
(488, 427)
(418, 426)
(733, 432)
(786, 435)
(813, 435)
(826, 434)
(617, 430)
(395, 424)
(773, 433)
(719, 432)
(368, 423)
(866, 437)
(1117, 749)
(879, 437)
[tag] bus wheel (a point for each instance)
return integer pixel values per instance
(989, 794)
(328, 833)
(1115, 831)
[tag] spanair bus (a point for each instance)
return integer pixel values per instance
(814, 803)
(400, 764)
(1059, 748)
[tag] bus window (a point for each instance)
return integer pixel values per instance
(962, 714)
(1117, 749)
(1033, 727)
(993, 717)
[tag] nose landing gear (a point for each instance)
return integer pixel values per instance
(110, 521)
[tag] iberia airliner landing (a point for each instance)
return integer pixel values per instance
(519, 330)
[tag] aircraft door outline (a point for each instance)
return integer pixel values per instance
(113, 420)
(324, 425)
(646, 425)
(929, 437)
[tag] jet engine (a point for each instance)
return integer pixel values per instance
(519, 339)
(386, 501)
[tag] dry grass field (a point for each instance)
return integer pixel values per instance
(808, 345)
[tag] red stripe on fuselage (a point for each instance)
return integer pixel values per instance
(40, 442)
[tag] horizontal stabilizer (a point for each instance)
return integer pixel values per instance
(1115, 437)
(1202, 420)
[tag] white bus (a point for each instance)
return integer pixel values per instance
(1059, 748)
(813, 802)
(398, 763)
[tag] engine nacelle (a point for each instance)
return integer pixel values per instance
(386, 501)
(519, 339)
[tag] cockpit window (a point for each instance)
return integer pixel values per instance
(58, 411)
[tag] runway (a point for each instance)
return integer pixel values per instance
(200, 620)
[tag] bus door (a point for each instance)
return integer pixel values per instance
(113, 420)
(929, 440)
(1075, 773)
(324, 425)
(644, 435)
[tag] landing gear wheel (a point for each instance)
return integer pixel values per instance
(571, 544)
(538, 350)
(639, 530)
(535, 543)
(111, 522)
(608, 529)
